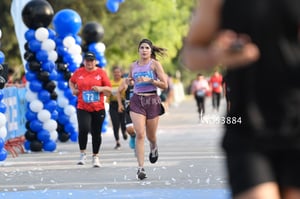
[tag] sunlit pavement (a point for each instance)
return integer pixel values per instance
(190, 165)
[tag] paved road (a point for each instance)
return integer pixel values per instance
(190, 165)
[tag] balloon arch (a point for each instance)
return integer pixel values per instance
(51, 56)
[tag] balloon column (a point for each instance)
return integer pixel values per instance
(3, 120)
(67, 24)
(113, 5)
(92, 34)
(40, 73)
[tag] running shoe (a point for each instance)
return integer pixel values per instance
(118, 146)
(96, 161)
(132, 142)
(141, 174)
(82, 159)
(153, 156)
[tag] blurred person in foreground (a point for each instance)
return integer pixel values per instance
(258, 42)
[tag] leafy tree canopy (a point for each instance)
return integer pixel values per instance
(164, 22)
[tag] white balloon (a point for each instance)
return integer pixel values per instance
(41, 34)
(3, 132)
(58, 91)
(100, 47)
(0, 33)
(36, 105)
(78, 59)
(3, 120)
(69, 41)
(53, 135)
(30, 96)
(48, 45)
(69, 110)
(50, 125)
(44, 115)
(73, 119)
(75, 49)
(52, 55)
(62, 101)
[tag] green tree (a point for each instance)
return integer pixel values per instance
(165, 22)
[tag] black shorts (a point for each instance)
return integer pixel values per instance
(128, 120)
(249, 168)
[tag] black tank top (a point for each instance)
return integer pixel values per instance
(266, 94)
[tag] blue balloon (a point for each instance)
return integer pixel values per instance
(27, 66)
(63, 119)
(67, 22)
(73, 101)
(27, 145)
(73, 67)
(112, 6)
(92, 47)
(1, 143)
(104, 129)
(30, 76)
(67, 58)
(2, 107)
(30, 115)
(103, 62)
(44, 95)
(74, 137)
(49, 146)
(53, 75)
(61, 50)
(78, 39)
(42, 55)
(68, 93)
(48, 66)
(54, 115)
(30, 34)
(2, 57)
(62, 85)
(3, 154)
(36, 125)
(50, 105)
(43, 135)
(59, 41)
(52, 33)
(35, 85)
(34, 45)
(1, 95)
(69, 127)
(60, 110)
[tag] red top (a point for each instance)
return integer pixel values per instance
(85, 80)
(216, 83)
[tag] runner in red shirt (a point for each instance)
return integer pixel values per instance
(216, 86)
(90, 84)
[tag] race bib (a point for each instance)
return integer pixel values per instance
(216, 85)
(200, 93)
(90, 96)
(114, 91)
